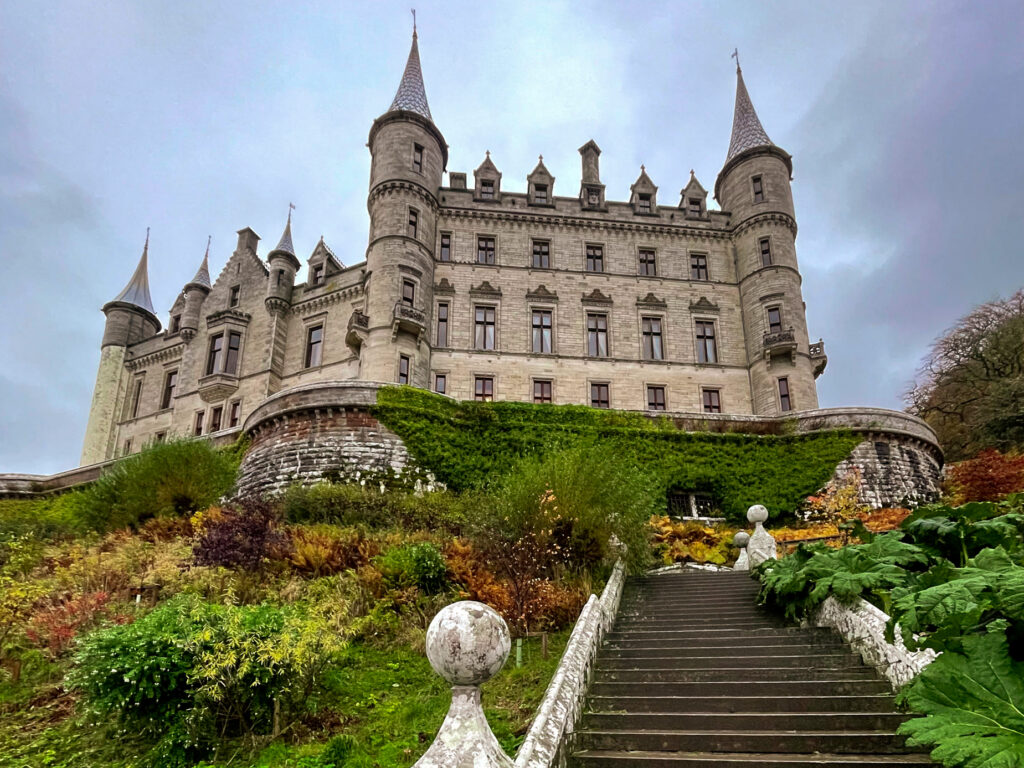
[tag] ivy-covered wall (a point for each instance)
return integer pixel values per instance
(465, 443)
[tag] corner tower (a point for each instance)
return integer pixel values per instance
(754, 188)
(409, 155)
(130, 319)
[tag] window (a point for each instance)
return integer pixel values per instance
(542, 331)
(234, 346)
(446, 246)
(278, 275)
(595, 258)
(698, 267)
(655, 398)
(215, 359)
(442, 324)
(485, 250)
(318, 274)
(758, 185)
(653, 349)
(136, 397)
(707, 351)
(441, 383)
(644, 203)
(712, 400)
(170, 382)
(414, 218)
(175, 323)
(215, 417)
(408, 292)
(236, 292)
(774, 319)
(785, 403)
(235, 413)
(599, 396)
(159, 437)
(765, 245)
(314, 346)
(403, 369)
(542, 391)
(540, 193)
(417, 158)
(127, 447)
(484, 328)
(487, 189)
(647, 265)
(541, 254)
(597, 335)
(198, 429)
(694, 206)
(593, 197)
(484, 389)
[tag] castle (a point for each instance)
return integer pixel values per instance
(477, 292)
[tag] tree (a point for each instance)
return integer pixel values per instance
(970, 388)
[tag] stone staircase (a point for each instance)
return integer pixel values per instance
(694, 674)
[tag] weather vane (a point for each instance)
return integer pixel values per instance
(736, 55)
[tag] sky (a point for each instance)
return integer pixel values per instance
(905, 122)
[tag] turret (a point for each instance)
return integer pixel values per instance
(409, 156)
(283, 264)
(130, 319)
(195, 293)
(754, 188)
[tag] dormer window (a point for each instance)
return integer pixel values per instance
(487, 189)
(540, 194)
(318, 274)
(694, 206)
(644, 203)
(417, 158)
(236, 292)
(758, 185)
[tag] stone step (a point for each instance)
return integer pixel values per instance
(749, 635)
(615, 759)
(740, 662)
(738, 674)
(728, 721)
(736, 642)
(732, 704)
(836, 687)
(694, 650)
(765, 742)
(752, 622)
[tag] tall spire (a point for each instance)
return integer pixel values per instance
(203, 274)
(137, 290)
(747, 131)
(411, 95)
(285, 244)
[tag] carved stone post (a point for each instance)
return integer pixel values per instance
(467, 644)
(762, 544)
(741, 539)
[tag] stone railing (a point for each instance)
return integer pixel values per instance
(816, 349)
(409, 318)
(786, 337)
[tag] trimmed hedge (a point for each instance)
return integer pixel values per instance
(466, 444)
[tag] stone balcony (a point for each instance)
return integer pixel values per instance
(358, 327)
(409, 319)
(780, 344)
(818, 357)
(217, 386)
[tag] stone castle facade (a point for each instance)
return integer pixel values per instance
(650, 303)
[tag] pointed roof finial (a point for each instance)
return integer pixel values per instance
(137, 290)
(488, 154)
(747, 131)
(642, 168)
(202, 277)
(411, 95)
(736, 55)
(284, 245)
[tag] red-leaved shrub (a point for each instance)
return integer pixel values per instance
(55, 626)
(989, 476)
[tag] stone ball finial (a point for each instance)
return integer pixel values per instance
(467, 643)
(741, 539)
(757, 514)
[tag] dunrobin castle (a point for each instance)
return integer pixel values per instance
(561, 294)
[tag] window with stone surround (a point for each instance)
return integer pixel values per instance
(757, 183)
(711, 400)
(215, 356)
(234, 348)
(234, 413)
(541, 254)
(483, 389)
(599, 395)
(653, 349)
(441, 383)
(159, 437)
(127, 447)
(484, 321)
(785, 402)
(414, 219)
(655, 397)
(694, 206)
(175, 323)
(442, 324)
(540, 194)
(197, 428)
(487, 189)
(644, 203)
(774, 319)
(136, 397)
(236, 293)
(698, 266)
(485, 250)
(409, 292)
(403, 369)
(595, 258)
(597, 335)
(707, 347)
(446, 246)
(648, 268)
(541, 324)
(765, 247)
(318, 274)
(215, 418)
(314, 346)
(417, 158)
(541, 391)
(170, 383)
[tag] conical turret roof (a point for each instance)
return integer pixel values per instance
(202, 277)
(284, 245)
(137, 290)
(411, 95)
(747, 131)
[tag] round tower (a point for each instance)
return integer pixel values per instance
(754, 187)
(130, 319)
(409, 156)
(195, 292)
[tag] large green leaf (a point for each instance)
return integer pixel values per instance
(973, 705)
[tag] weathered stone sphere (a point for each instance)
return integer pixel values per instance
(467, 643)
(757, 514)
(741, 539)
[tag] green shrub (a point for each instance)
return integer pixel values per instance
(46, 518)
(353, 504)
(414, 565)
(338, 750)
(172, 478)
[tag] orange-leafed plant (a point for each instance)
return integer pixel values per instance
(989, 476)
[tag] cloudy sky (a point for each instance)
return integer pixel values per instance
(905, 122)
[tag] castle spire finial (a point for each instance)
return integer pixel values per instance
(413, 21)
(736, 55)
(137, 290)
(285, 243)
(747, 131)
(411, 95)
(202, 277)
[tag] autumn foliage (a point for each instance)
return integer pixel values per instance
(989, 476)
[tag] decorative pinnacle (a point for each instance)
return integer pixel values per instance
(413, 21)
(642, 168)
(736, 55)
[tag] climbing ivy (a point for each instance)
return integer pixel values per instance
(467, 444)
